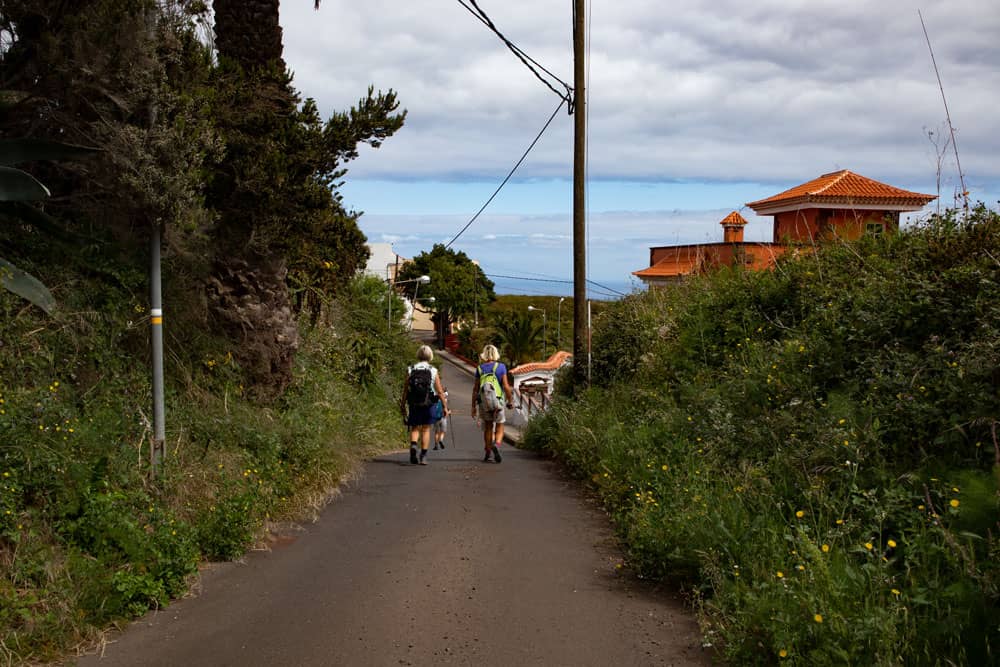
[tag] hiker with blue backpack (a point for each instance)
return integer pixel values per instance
(421, 392)
(491, 392)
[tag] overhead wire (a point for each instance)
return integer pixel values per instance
(509, 174)
(556, 280)
(527, 60)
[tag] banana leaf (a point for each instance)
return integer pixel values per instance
(17, 185)
(16, 151)
(26, 286)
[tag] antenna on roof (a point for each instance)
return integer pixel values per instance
(947, 115)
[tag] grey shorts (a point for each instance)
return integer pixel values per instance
(441, 425)
(499, 418)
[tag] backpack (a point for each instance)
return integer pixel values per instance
(490, 391)
(420, 393)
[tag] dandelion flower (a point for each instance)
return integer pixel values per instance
(800, 514)
(868, 545)
(921, 508)
(780, 574)
(840, 522)
(954, 502)
(825, 548)
(782, 653)
(892, 543)
(818, 618)
(895, 591)
(665, 467)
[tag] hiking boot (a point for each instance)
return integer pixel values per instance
(486, 458)
(436, 447)
(496, 454)
(413, 455)
(442, 444)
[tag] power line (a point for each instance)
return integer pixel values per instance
(521, 55)
(511, 173)
(554, 280)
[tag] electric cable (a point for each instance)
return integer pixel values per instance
(521, 55)
(511, 173)
(556, 280)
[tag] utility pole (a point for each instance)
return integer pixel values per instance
(579, 201)
(156, 339)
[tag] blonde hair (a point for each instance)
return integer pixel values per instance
(490, 353)
(425, 353)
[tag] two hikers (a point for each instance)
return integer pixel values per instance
(427, 401)
(421, 391)
(491, 392)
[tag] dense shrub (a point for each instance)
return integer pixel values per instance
(86, 536)
(813, 451)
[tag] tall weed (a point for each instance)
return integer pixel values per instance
(812, 451)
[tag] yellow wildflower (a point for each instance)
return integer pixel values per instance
(818, 618)
(954, 502)
(868, 545)
(892, 543)
(780, 574)
(825, 548)
(895, 591)
(800, 514)
(782, 653)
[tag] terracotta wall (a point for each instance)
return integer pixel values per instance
(826, 224)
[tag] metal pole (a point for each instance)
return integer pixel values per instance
(156, 334)
(388, 295)
(559, 324)
(579, 201)
(545, 335)
(413, 308)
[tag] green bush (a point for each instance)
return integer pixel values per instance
(809, 450)
(86, 536)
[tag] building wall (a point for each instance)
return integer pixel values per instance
(823, 224)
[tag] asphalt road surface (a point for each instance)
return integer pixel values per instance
(458, 562)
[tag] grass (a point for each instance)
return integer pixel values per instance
(87, 539)
(811, 451)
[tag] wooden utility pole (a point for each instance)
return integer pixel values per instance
(579, 201)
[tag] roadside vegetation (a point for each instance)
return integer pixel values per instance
(135, 120)
(87, 537)
(813, 452)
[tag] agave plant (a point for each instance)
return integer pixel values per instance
(16, 188)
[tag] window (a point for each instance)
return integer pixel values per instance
(874, 228)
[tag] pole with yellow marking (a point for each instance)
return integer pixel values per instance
(156, 336)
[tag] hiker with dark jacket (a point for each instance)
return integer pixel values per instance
(421, 390)
(493, 373)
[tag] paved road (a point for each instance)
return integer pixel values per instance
(454, 563)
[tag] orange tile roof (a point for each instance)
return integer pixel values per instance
(553, 363)
(843, 187)
(733, 218)
(668, 267)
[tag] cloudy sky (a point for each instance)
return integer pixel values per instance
(694, 109)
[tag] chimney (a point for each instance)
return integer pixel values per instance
(732, 227)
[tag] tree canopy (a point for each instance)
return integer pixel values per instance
(458, 285)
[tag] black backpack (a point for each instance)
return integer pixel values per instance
(421, 388)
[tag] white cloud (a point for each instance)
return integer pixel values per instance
(701, 105)
(775, 90)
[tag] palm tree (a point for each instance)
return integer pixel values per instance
(520, 338)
